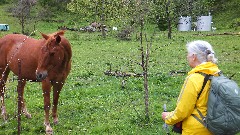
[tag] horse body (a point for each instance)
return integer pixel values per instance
(27, 51)
(47, 60)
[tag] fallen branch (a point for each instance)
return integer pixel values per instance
(122, 74)
(173, 72)
(225, 33)
(218, 34)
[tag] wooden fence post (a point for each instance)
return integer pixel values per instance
(19, 90)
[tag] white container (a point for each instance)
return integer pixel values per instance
(184, 23)
(204, 23)
(4, 27)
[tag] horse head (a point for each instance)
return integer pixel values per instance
(51, 55)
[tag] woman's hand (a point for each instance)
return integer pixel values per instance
(164, 114)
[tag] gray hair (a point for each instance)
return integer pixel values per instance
(203, 50)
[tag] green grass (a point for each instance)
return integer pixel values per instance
(93, 103)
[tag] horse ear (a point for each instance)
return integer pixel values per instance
(61, 32)
(45, 36)
(58, 39)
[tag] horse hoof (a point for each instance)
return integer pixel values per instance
(4, 115)
(49, 133)
(49, 130)
(55, 121)
(29, 116)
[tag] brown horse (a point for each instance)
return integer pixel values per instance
(47, 60)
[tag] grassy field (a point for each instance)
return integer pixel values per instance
(93, 103)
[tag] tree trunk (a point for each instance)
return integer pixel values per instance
(169, 20)
(103, 19)
(145, 75)
(144, 65)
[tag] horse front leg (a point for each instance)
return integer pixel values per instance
(56, 91)
(46, 87)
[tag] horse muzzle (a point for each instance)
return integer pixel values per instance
(41, 75)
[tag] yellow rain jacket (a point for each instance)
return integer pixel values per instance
(187, 101)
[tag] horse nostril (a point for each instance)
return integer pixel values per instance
(39, 76)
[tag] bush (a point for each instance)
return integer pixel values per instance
(162, 23)
(235, 23)
(4, 2)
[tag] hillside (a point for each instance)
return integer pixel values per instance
(224, 13)
(94, 103)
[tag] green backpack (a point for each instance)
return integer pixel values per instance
(223, 108)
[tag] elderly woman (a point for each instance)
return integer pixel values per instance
(201, 59)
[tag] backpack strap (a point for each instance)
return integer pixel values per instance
(203, 118)
(206, 78)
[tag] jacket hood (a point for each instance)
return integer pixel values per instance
(206, 67)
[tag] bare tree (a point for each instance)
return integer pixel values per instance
(103, 19)
(22, 12)
(169, 20)
(144, 65)
(145, 54)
